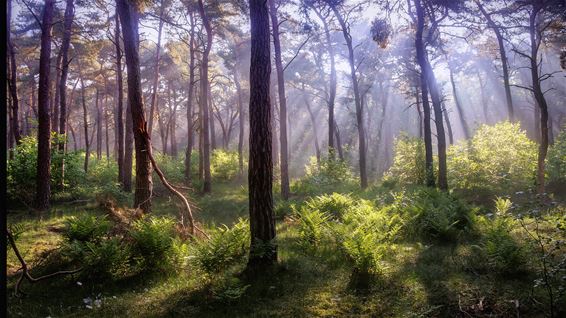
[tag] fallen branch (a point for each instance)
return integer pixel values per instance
(25, 269)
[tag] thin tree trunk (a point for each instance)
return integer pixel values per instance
(284, 165)
(68, 28)
(55, 110)
(263, 252)
(241, 119)
(98, 126)
(144, 185)
(43, 187)
(119, 120)
(448, 126)
(15, 129)
(85, 121)
(359, 109)
(190, 131)
(156, 70)
(458, 104)
(315, 132)
(173, 126)
(106, 120)
(204, 86)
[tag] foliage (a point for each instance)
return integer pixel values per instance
(435, 215)
(408, 161)
(152, 240)
(224, 164)
(556, 160)
(86, 228)
(108, 257)
(499, 158)
(229, 290)
(311, 226)
(334, 205)
(226, 247)
(22, 169)
(326, 177)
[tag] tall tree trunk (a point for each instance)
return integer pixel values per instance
(162, 131)
(284, 165)
(190, 130)
(13, 80)
(338, 142)
(332, 84)
(173, 126)
(263, 251)
(119, 125)
(68, 28)
(156, 70)
(241, 120)
(458, 104)
(43, 186)
(421, 58)
(85, 121)
(315, 132)
(419, 110)
(212, 125)
(503, 56)
(98, 126)
(204, 86)
(128, 149)
(55, 110)
(359, 109)
(448, 126)
(106, 119)
(535, 41)
(129, 20)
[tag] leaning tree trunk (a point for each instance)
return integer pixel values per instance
(85, 122)
(119, 120)
(190, 130)
(458, 104)
(420, 50)
(129, 20)
(204, 86)
(43, 186)
(284, 165)
(13, 80)
(359, 109)
(263, 252)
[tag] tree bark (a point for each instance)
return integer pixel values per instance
(119, 120)
(359, 109)
(98, 126)
(204, 86)
(241, 119)
(190, 130)
(129, 20)
(43, 186)
(156, 70)
(14, 110)
(68, 28)
(263, 251)
(85, 120)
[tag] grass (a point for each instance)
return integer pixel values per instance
(419, 280)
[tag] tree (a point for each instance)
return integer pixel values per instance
(43, 190)
(284, 166)
(68, 27)
(156, 67)
(119, 99)
(190, 97)
(14, 126)
(128, 13)
(260, 173)
(204, 88)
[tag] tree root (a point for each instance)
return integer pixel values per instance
(25, 269)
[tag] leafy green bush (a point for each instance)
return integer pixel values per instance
(499, 159)
(329, 176)
(152, 240)
(86, 228)
(311, 226)
(226, 247)
(224, 164)
(22, 169)
(435, 215)
(334, 205)
(408, 162)
(556, 160)
(106, 258)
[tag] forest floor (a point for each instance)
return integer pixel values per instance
(420, 280)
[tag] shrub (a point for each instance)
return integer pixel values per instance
(224, 164)
(498, 159)
(22, 169)
(106, 258)
(226, 247)
(334, 205)
(86, 228)
(326, 177)
(152, 240)
(408, 161)
(435, 215)
(311, 226)
(556, 166)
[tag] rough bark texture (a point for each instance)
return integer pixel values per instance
(190, 130)
(68, 27)
(43, 186)
(207, 184)
(420, 50)
(284, 165)
(15, 129)
(119, 103)
(144, 185)
(357, 100)
(260, 173)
